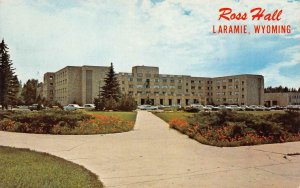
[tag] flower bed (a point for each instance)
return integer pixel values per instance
(235, 129)
(62, 122)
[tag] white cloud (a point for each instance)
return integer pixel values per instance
(273, 75)
(43, 37)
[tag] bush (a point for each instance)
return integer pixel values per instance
(62, 122)
(127, 103)
(191, 109)
(227, 128)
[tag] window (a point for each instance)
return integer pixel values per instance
(139, 79)
(230, 80)
(51, 77)
(147, 83)
(179, 87)
(236, 86)
(243, 82)
(187, 90)
(164, 80)
(172, 81)
(148, 75)
(199, 87)
(179, 81)
(218, 87)
(123, 82)
(130, 79)
(187, 84)
(192, 81)
(51, 84)
(224, 87)
(130, 86)
(140, 75)
(193, 87)
(243, 96)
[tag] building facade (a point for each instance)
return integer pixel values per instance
(282, 99)
(48, 86)
(81, 85)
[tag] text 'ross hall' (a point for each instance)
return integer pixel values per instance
(257, 14)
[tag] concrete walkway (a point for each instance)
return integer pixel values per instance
(155, 156)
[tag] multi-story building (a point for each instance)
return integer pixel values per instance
(81, 85)
(282, 99)
(48, 86)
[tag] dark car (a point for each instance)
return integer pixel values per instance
(36, 107)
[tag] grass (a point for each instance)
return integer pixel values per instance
(168, 116)
(127, 116)
(25, 168)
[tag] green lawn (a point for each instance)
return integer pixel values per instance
(25, 168)
(128, 116)
(167, 116)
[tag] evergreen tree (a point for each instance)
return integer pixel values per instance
(109, 94)
(8, 80)
(111, 88)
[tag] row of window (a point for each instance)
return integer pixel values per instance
(228, 100)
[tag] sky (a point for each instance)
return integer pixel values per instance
(176, 35)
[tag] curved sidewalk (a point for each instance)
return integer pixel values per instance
(155, 156)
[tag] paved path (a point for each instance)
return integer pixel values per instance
(155, 156)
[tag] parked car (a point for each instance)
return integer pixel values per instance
(232, 107)
(89, 106)
(208, 107)
(197, 106)
(73, 107)
(276, 107)
(293, 107)
(251, 108)
(147, 107)
(36, 107)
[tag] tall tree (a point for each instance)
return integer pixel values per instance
(13, 91)
(110, 93)
(7, 77)
(29, 91)
(111, 87)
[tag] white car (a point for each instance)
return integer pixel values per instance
(72, 107)
(197, 106)
(147, 107)
(232, 107)
(208, 107)
(89, 106)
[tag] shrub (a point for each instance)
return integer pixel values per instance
(191, 109)
(63, 122)
(127, 103)
(227, 128)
